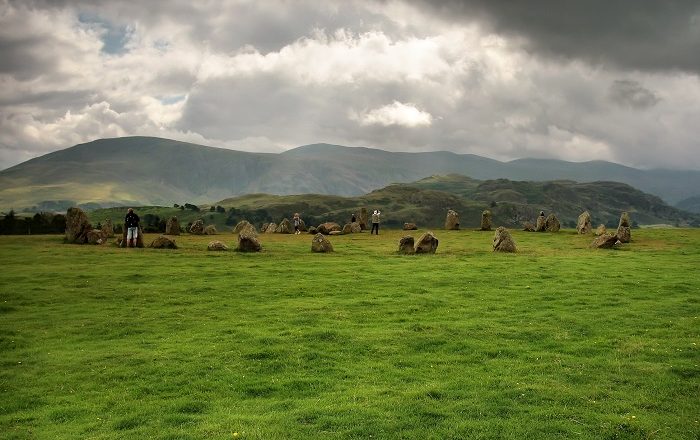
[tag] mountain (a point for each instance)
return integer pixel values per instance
(147, 170)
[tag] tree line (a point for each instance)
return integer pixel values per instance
(39, 223)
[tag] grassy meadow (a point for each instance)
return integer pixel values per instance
(556, 341)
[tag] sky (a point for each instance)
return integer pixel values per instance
(574, 80)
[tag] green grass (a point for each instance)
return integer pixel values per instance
(557, 341)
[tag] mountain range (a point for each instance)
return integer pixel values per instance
(155, 171)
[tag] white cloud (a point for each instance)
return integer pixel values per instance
(396, 113)
(265, 76)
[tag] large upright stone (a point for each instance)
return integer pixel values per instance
(452, 220)
(77, 226)
(363, 218)
(583, 225)
(426, 244)
(355, 227)
(271, 228)
(248, 240)
(172, 226)
(552, 223)
(503, 241)
(624, 231)
(541, 223)
(108, 228)
(285, 227)
(197, 227)
(601, 230)
(406, 245)
(244, 225)
(347, 229)
(486, 220)
(625, 219)
(210, 230)
(321, 244)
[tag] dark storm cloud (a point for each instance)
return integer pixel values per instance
(628, 93)
(21, 59)
(637, 34)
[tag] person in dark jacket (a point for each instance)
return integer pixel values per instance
(131, 223)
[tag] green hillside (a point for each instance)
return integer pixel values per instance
(155, 171)
(426, 202)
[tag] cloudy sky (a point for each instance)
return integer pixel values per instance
(575, 80)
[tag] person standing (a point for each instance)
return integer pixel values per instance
(297, 223)
(131, 223)
(353, 219)
(375, 222)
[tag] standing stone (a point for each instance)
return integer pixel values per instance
(197, 227)
(486, 220)
(552, 223)
(77, 226)
(541, 222)
(625, 219)
(163, 243)
(285, 227)
(263, 228)
(355, 227)
(452, 220)
(347, 229)
(328, 227)
(216, 246)
(321, 244)
(406, 245)
(363, 218)
(210, 230)
(96, 236)
(248, 240)
(172, 227)
(243, 224)
(529, 227)
(601, 230)
(583, 225)
(503, 241)
(108, 228)
(271, 228)
(409, 227)
(426, 244)
(605, 241)
(624, 232)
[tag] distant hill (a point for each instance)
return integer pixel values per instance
(426, 202)
(691, 204)
(155, 171)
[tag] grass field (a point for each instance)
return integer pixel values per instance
(557, 341)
